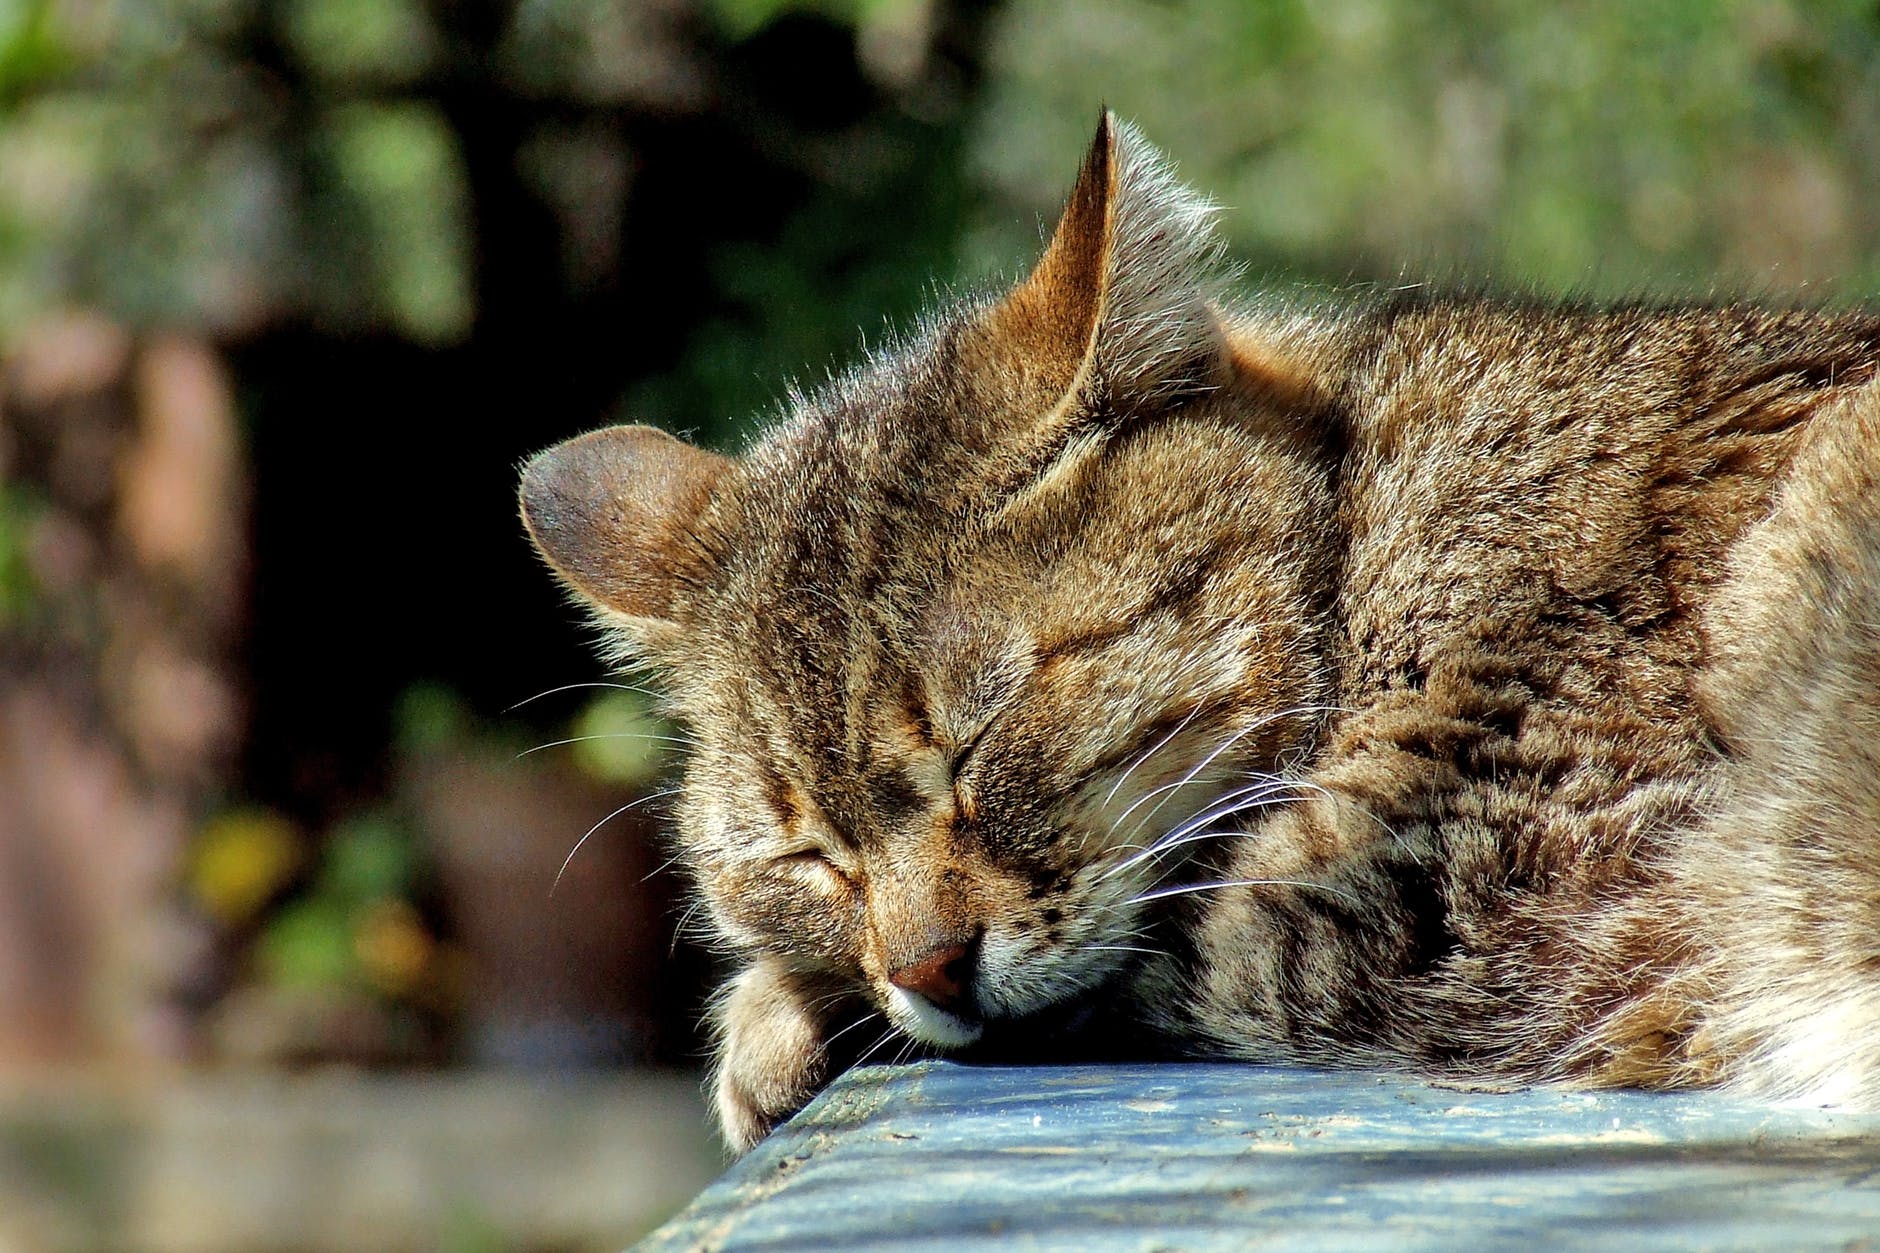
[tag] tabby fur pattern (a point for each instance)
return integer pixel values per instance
(1485, 689)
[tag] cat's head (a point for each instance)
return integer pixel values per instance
(1018, 599)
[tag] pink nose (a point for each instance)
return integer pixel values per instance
(940, 976)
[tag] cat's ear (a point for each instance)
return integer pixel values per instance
(1120, 309)
(616, 513)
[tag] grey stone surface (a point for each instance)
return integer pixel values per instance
(946, 1157)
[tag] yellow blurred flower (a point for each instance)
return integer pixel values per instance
(392, 946)
(240, 860)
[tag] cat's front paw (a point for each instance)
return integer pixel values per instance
(771, 1058)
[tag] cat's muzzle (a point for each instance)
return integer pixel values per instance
(931, 996)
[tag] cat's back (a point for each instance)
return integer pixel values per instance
(1587, 555)
(1563, 488)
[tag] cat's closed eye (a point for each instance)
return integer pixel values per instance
(960, 758)
(813, 861)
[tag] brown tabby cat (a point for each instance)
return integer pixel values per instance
(1487, 689)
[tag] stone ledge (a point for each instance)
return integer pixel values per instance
(946, 1157)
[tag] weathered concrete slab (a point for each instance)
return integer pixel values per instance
(941, 1156)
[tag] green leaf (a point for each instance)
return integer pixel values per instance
(618, 740)
(32, 49)
(17, 589)
(367, 858)
(429, 716)
(377, 40)
(309, 945)
(401, 166)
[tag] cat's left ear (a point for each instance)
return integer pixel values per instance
(618, 514)
(1120, 310)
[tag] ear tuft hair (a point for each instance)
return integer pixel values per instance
(1164, 273)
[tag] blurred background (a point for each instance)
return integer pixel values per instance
(296, 736)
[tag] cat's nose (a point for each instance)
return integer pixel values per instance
(940, 976)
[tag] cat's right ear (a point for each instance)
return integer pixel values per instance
(1119, 313)
(616, 513)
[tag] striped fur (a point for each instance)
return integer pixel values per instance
(1484, 688)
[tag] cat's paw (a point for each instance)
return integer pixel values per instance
(771, 1058)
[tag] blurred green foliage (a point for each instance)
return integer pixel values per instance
(860, 258)
(30, 49)
(744, 17)
(375, 41)
(368, 859)
(616, 739)
(1610, 148)
(221, 162)
(400, 164)
(16, 575)
(354, 926)
(429, 716)
(183, 162)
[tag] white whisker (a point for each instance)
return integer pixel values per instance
(887, 1035)
(1263, 721)
(679, 929)
(609, 735)
(1152, 751)
(873, 1013)
(662, 867)
(1253, 796)
(1186, 888)
(632, 804)
(569, 687)
(1180, 783)
(1197, 831)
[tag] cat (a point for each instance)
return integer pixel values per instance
(1485, 689)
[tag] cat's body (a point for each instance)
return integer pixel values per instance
(1483, 689)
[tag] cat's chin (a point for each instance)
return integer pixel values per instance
(930, 1024)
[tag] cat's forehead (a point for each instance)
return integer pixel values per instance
(851, 604)
(845, 508)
